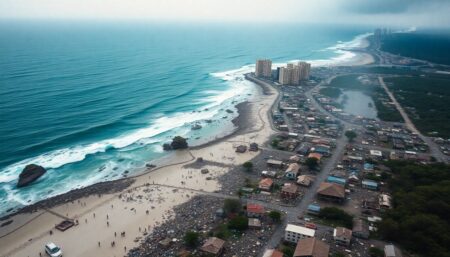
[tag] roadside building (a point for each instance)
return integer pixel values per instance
(331, 192)
(342, 236)
(294, 233)
(269, 174)
(384, 201)
(213, 246)
(254, 147)
(337, 180)
(376, 154)
(311, 247)
(272, 253)
(241, 149)
(265, 184)
(254, 223)
(369, 184)
(318, 156)
(263, 68)
(392, 251)
(313, 209)
(305, 180)
(289, 191)
(274, 163)
(360, 229)
(255, 210)
(292, 171)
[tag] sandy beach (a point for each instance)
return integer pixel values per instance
(144, 204)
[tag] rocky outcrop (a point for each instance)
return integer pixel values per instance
(29, 174)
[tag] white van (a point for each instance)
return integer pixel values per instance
(52, 250)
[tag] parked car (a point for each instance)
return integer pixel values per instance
(52, 250)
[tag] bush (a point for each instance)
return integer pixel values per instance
(222, 232)
(275, 216)
(191, 238)
(238, 223)
(336, 215)
(248, 166)
(376, 252)
(232, 206)
(312, 162)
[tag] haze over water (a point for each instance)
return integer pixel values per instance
(91, 101)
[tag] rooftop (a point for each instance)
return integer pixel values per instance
(300, 230)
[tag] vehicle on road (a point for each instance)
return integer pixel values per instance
(52, 250)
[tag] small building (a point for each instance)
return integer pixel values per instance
(369, 184)
(384, 201)
(305, 180)
(255, 210)
(392, 251)
(213, 246)
(289, 191)
(241, 149)
(311, 247)
(360, 229)
(265, 184)
(254, 223)
(342, 236)
(274, 163)
(294, 159)
(313, 209)
(318, 156)
(269, 174)
(294, 233)
(292, 171)
(331, 192)
(253, 147)
(272, 253)
(376, 154)
(337, 180)
(368, 167)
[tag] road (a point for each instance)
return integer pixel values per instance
(434, 149)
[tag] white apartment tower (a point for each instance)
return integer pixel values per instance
(263, 68)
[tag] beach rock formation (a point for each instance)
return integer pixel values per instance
(29, 174)
(179, 143)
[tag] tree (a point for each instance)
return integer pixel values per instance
(238, 223)
(248, 166)
(275, 216)
(312, 162)
(376, 252)
(351, 135)
(231, 206)
(337, 215)
(191, 238)
(338, 254)
(179, 143)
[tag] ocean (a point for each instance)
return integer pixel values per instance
(95, 101)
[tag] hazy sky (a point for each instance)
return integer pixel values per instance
(408, 13)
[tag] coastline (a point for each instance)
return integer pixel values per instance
(30, 230)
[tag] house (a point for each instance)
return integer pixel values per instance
(294, 233)
(384, 201)
(369, 184)
(313, 209)
(337, 180)
(289, 191)
(318, 156)
(292, 171)
(294, 158)
(311, 247)
(255, 210)
(342, 236)
(253, 147)
(392, 251)
(213, 246)
(360, 229)
(305, 180)
(368, 166)
(272, 253)
(269, 174)
(265, 184)
(331, 192)
(376, 154)
(274, 163)
(241, 149)
(321, 149)
(254, 223)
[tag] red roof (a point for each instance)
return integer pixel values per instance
(255, 208)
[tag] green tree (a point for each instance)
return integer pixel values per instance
(312, 162)
(238, 223)
(232, 206)
(338, 254)
(191, 238)
(351, 135)
(275, 143)
(248, 166)
(376, 252)
(337, 215)
(275, 216)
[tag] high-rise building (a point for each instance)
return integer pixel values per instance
(285, 76)
(263, 68)
(304, 69)
(292, 74)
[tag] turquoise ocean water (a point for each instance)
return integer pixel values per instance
(89, 101)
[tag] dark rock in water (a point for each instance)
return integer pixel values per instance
(229, 111)
(31, 173)
(199, 159)
(150, 166)
(208, 121)
(167, 147)
(126, 172)
(196, 126)
(9, 210)
(6, 223)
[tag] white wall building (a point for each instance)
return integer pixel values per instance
(293, 233)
